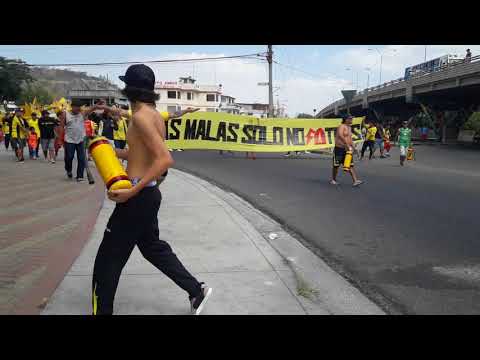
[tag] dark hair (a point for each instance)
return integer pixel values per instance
(134, 94)
(32, 128)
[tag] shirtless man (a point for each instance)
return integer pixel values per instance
(343, 143)
(134, 220)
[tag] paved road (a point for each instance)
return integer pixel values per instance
(409, 237)
(45, 220)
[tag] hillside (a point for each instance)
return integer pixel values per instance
(59, 82)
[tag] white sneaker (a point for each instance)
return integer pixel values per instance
(333, 182)
(357, 183)
(197, 303)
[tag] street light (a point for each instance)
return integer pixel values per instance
(381, 60)
(368, 76)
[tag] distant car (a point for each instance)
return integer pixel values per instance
(10, 106)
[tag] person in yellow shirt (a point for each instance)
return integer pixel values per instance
(19, 134)
(120, 132)
(33, 122)
(369, 140)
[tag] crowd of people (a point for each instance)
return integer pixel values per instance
(68, 129)
(375, 136)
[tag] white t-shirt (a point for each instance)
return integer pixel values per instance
(74, 128)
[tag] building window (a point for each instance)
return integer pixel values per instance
(216, 98)
(189, 96)
(210, 97)
(179, 95)
(172, 94)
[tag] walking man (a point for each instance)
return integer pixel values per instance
(134, 220)
(106, 126)
(379, 139)
(404, 140)
(7, 124)
(120, 132)
(19, 134)
(73, 123)
(343, 143)
(369, 140)
(47, 126)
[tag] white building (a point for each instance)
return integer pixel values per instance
(255, 109)
(185, 93)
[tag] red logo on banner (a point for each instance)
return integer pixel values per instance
(318, 137)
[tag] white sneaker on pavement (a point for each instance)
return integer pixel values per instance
(333, 182)
(197, 303)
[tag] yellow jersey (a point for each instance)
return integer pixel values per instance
(121, 133)
(5, 127)
(17, 131)
(371, 131)
(34, 124)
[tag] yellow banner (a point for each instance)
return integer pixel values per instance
(221, 131)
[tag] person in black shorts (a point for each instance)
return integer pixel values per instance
(47, 126)
(343, 143)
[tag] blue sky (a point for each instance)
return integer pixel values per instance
(312, 76)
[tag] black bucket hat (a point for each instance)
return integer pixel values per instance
(139, 76)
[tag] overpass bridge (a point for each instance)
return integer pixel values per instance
(452, 87)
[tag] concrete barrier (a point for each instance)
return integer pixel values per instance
(466, 136)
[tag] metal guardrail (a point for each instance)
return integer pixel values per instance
(402, 79)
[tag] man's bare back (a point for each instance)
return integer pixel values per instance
(139, 157)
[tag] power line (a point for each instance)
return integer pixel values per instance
(247, 56)
(296, 69)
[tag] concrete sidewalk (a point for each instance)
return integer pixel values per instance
(253, 266)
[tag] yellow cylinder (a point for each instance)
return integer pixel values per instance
(347, 161)
(111, 170)
(410, 153)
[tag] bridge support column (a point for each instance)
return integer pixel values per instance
(409, 98)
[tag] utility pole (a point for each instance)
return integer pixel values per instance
(270, 85)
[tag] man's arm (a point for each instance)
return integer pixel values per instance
(114, 111)
(178, 114)
(122, 154)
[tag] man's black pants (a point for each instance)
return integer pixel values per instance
(370, 144)
(7, 140)
(70, 149)
(120, 144)
(133, 223)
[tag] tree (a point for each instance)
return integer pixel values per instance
(473, 123)
(36, 90)
(304, 116)
(13, 74)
